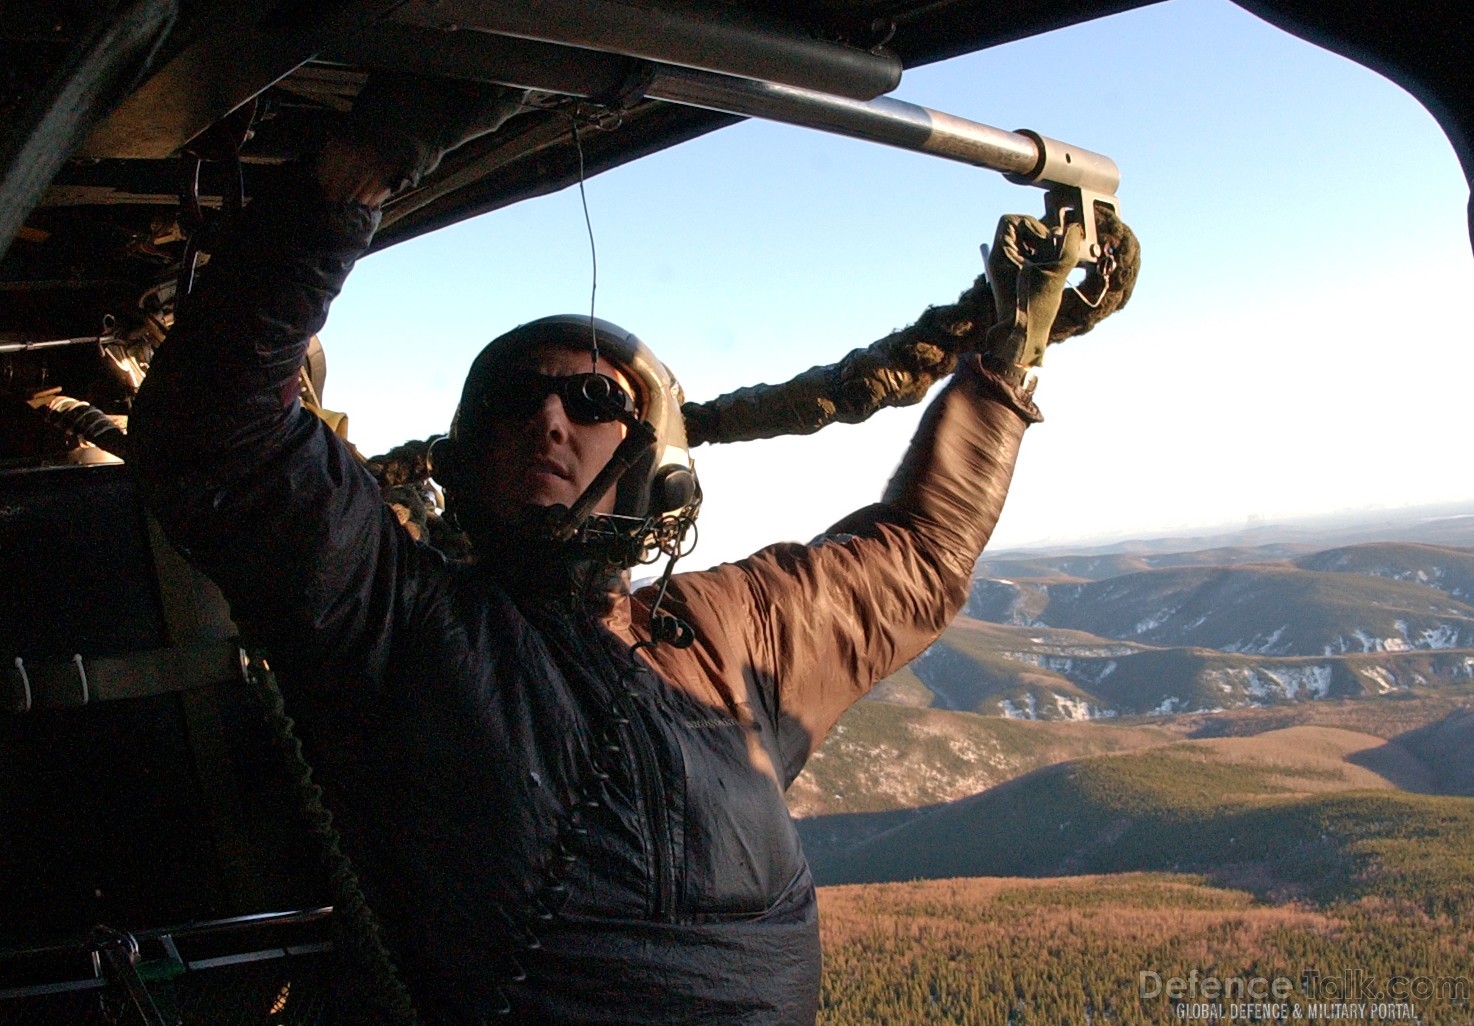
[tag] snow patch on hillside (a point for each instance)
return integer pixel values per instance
(1383, 679)
(1074, 708)
(1029, 710)
(1439, 636)
(1290, 681)
(1373, 644)
(1066, 707)
(1089, 672)
(1262, 644)
(1155, 620)
(1445, 635)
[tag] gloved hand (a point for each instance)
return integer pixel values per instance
(1028, 268)
(403, 125)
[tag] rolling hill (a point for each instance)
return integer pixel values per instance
(1241, 716)
(884, 763)
(1236, 756)
(1448, 570)
(1294, 812)
(883, 756)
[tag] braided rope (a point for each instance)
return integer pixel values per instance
(899, 369)
(377, 981)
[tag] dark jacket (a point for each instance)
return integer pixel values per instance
(522, 794)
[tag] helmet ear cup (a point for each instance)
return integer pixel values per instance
(443, 460)
(672, 488)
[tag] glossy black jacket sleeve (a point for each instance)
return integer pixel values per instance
(254, 489)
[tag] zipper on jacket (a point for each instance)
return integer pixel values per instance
(652, 790)
(629, 702)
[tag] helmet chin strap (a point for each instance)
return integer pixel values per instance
(612, 539)
(602, 537)
(639, 439)
(615, 540)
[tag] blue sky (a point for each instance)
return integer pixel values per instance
(1297, 344)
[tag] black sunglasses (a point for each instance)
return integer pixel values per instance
(587, 398)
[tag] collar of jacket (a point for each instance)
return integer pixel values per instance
(542, 574)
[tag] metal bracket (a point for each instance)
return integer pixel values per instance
(118, 954)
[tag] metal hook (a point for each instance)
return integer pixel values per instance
(82, 676)
(885, 31)
(25, 685)
(1105, 266)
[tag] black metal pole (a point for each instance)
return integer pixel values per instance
(717, 37)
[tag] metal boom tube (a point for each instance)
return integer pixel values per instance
(1076, 178)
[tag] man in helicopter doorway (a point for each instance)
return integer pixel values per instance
(565, 806)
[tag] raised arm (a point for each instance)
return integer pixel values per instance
(254, 489)
(819, 624)
(826, 620)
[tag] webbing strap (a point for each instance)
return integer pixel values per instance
(50, 683)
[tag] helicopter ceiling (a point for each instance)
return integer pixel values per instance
(108, 116)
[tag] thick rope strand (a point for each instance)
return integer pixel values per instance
(359, 929)
(899, 369)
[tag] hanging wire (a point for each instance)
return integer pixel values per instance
(663, 626)
(593, 251)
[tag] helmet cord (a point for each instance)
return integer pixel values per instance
(663, 626)
(593, 252)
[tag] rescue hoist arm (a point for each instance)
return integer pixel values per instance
(1077, 181)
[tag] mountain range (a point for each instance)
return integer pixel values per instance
(1245, 711)
(1202, 630)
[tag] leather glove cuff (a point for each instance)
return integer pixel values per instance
(996, 382)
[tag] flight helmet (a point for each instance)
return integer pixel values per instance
(661, 485)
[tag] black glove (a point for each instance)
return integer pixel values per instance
(411, 121)
(1029, 265)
